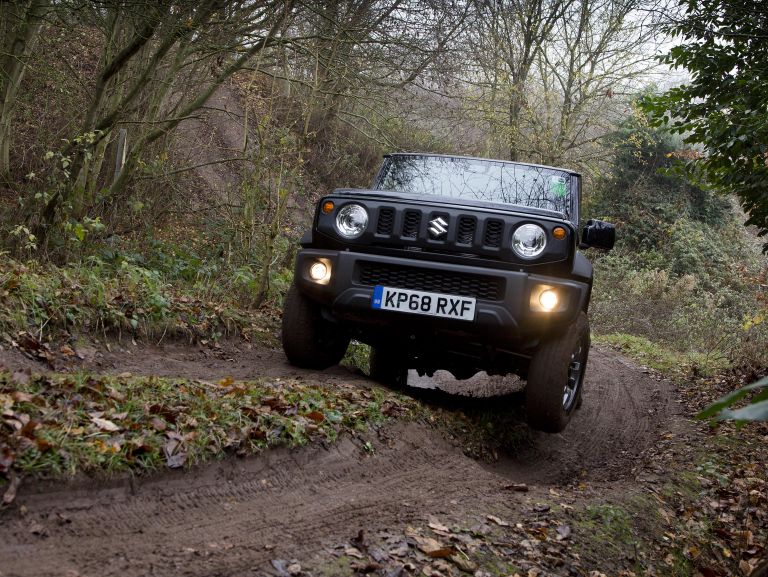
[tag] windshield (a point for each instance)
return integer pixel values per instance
(478, 179)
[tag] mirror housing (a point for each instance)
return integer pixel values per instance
(598, 234)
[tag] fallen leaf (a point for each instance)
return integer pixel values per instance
(353, 552)
(29, 428)
(425, 544)
(498, 521)
(158, 424)
(442, 553)
(281, 566)
(105, 424)
(174, 456)
(10, 492)
(437, 526)
(378, 554)
(67, 351)
(463, 563)
(43, 445)
(399, 550)
(563, 532)
(316, 416)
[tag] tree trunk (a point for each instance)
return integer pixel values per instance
(515, 108)
(20, 24)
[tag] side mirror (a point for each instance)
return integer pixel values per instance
(598, 234)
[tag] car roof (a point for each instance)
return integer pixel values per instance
(458, 156)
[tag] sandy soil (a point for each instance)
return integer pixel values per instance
(233, 517)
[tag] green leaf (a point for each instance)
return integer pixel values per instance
(729, 399)
(753, 412)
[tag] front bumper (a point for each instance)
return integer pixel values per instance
(503, 316)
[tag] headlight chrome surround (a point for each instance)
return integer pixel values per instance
(351, 221)
(529, 241)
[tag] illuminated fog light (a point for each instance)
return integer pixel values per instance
(318, 271)
(548, 300)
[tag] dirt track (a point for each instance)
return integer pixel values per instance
(234, 517)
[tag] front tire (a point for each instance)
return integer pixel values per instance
(309, 340)
(556, 377)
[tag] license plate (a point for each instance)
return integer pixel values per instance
(423, 303)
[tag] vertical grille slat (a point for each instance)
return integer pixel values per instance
(466, 232)
(494, 230)
(411, 223)
(386, 223)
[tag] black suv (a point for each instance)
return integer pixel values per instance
(455, 263)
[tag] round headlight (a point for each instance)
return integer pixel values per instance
(529, 241)
(351, 221)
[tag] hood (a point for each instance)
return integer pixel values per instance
(501, 207)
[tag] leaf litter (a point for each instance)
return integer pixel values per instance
(61, 424)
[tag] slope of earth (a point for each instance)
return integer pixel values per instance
(357, 505)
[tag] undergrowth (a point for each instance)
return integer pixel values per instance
(672, 363)
(118, 299)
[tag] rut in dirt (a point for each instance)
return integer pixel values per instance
(233, 517)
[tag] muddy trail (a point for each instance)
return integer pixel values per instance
(245, 516)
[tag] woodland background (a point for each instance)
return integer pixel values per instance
(159, 161)
(231, 118)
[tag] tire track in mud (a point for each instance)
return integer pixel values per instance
(232, 517)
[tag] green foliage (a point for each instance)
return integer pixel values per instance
(661, 358)
(714, 325)
(643, 192)
(357, 357)
(724, 46)
(684, 274)
(116, 297)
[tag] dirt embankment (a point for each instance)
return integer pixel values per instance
(237, 516)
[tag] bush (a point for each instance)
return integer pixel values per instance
(685, 312)
(684, 272)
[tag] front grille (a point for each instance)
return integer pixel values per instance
(494, 230)
(411, 223)
(468, 285)
(386, 221)
(466, 232)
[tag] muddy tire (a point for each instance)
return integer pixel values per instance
(310, 341)
(556, 377)
(387, 367)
